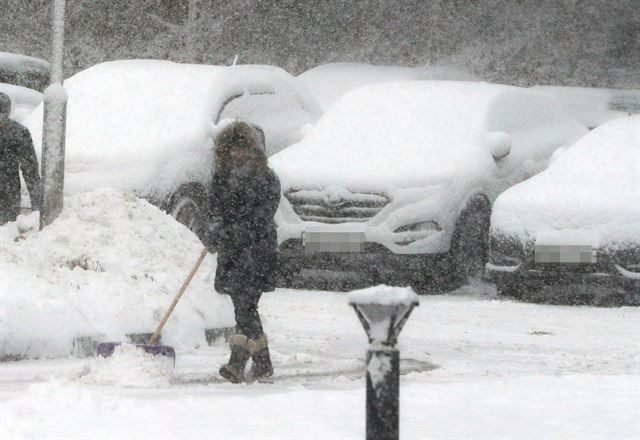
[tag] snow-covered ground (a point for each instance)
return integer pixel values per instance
(472, 367)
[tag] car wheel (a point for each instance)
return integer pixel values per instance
(508, 290)
(469, 250)
(188, 208)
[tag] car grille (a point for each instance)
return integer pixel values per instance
(327, 206)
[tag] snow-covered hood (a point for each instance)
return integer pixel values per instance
(590, 192)
(385, 134)
(415, 133)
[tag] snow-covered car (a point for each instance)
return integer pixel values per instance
(397, 179)
(146, 126)
(23, 79)
(328, 82)
(595, 106)
(572, 232)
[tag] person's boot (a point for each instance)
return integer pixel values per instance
(233, 371)
(261, 366)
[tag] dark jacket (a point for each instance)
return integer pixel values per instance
(16, 153)
(246, 239)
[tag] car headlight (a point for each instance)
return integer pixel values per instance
(627, 269)
(504, 260)
(506, 252)
(420, 226)
(407, 234)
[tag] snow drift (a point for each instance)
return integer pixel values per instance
(108, 266)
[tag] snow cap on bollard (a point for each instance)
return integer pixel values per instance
(383, 311)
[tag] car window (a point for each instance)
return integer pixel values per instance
(23, 71)
(625, 101)
(279, 114)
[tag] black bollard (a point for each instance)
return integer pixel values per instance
(383, 311)
(383, 393)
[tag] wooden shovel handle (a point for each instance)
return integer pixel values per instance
(156, 335)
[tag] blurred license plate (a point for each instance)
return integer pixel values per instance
(322, 239)
(563, 254)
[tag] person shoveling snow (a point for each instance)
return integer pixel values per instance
(245, 196)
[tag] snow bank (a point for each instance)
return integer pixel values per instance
(592, 106)
(416, 133)
(328, 82)
(23, 100)
(590, 192)
(108, 266)
(146, 125)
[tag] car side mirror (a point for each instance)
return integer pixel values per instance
(499, 144)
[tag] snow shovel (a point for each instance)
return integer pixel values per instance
(106, 349)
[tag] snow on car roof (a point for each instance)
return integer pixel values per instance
(592, 187)
(22, 63)
(328, 82)
(421, 132)
(129, 119)
(594, 106)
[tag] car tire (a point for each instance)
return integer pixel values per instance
(189, 208)
(469, 251)
(509, 290)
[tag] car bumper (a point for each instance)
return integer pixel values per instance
(565, 275)
(374, 261)
(558, 278)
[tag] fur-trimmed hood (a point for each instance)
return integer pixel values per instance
(239, 134)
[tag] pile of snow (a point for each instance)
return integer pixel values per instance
(146, 126)
(23, 100)
(108, 266)
(594, 107)
(328, 82)
(416, 133)
(129, 366)
(590, 192)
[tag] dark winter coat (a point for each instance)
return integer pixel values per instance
(16, 154)
(246, 239)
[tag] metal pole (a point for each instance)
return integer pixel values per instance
(57, 53)
(383, 393)
(54, 125)
(194, 11)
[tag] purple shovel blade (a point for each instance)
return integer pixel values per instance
(106, 349)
